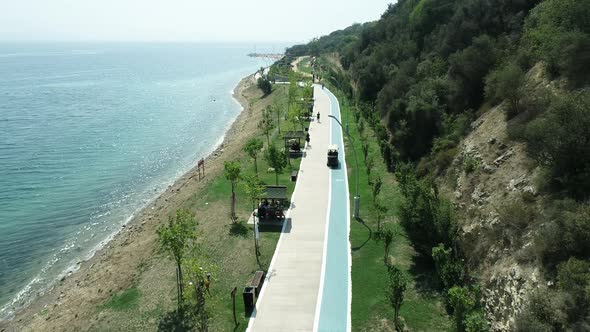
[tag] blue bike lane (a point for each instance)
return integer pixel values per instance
(334, 300)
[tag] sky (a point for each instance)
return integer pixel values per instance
(181, 20)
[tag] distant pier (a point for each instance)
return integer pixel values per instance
(273, 56)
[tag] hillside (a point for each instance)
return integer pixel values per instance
(482, 113)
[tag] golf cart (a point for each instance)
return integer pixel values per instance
(333, 155)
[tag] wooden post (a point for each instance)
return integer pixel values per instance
(256, 237)
(201, 168)
(233, 297)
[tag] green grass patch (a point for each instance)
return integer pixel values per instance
(423, 308)
(305, 65)
(124, 301)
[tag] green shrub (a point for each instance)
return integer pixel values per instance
(470, 164)
(515, 217)
(264, 84)
(558, 32)
(544, 311)
(566, 233)
(476, 322)
(427, 218)
(444, 159)
(463, 302)
(506, 83)
(574, 278)
(560, 140)
(449, 268)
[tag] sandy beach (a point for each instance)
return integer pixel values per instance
(71, 304)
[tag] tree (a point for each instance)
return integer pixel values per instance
(544, 311)
(295, 116)
(380, 211)
(292, 88)
(398, 282)
(507, 82)
(175, 238)
(558, 32)
(264, 85)
(232, 173)
(377, 188)
(277, 160)
(369, 164)
(426, 217)
(277, 110)
(266, 123)
(573, 277)
(254, 189)
(252, 147)
(387, 240)
(449, 269)
(201, 276)
(476, 322)
(467, 71)
(560, 140)
(364, 145)
(462, 302)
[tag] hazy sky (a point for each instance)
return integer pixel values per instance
(181, 20)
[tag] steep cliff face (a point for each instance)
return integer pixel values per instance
(492, 183)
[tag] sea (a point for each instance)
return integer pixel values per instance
(92, 132)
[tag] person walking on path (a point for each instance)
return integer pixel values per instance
(307, 139)
(318, 116)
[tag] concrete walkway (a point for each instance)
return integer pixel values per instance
(289, 296)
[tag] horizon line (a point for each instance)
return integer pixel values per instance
(149, 41)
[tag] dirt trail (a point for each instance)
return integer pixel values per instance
(295, 65)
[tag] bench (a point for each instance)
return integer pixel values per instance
(294, 175)
(257, 281)
(251, 292)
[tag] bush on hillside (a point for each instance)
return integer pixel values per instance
(573, 278)
(565, 234)
(264, 85)
(544, 311)
(558, 33)
(560, 140)
(506, 83)
(427, 218)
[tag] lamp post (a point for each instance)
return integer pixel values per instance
(340, 88)
(357, 198)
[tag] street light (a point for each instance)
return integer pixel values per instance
(340, 88)
(357, 198)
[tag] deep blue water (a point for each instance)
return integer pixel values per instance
(89, 133)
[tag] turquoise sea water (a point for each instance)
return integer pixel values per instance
(90, 133)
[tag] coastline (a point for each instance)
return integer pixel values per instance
(111, 265)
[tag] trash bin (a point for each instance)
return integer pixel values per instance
(249, 295)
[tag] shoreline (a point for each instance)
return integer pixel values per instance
(141, 221)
